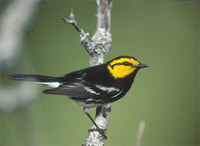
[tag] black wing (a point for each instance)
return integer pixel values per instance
(89, 83)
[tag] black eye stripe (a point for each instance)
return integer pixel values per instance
(126, 63)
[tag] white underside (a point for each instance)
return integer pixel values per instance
(89, 105)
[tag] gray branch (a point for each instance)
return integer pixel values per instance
(13, 27)
(102, 40)
(83, 36)
(139, 133)
(15, 21)
(100, 44)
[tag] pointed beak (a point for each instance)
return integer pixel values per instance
(141, 65)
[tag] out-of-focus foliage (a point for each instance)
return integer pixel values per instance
(162, 34)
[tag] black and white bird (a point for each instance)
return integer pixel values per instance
(92, 86)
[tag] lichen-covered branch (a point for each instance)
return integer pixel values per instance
(83, 36)
(102, 39)
(100, 44)
(103, 16)
(101, 119)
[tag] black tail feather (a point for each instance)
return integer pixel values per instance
(32, 78)
(51, 91)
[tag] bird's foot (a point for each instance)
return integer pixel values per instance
(101, 131)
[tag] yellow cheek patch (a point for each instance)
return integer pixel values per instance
(121, 60)
(120, 71)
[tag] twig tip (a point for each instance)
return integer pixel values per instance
(72, 14)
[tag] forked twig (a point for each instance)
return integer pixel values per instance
(83, 36)
(100, 44)
(72, 21)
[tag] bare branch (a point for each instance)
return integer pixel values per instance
(101, 119)
(13, 26)
(104, 8)
(83, 36)
(139, 133)
(72, 21)
(100, 44)
(15, 21)
(102, 40)
(102, 37)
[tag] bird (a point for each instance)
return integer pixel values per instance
(93, 86)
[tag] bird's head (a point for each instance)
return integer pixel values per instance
(123, 66)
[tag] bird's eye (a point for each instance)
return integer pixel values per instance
(126, 63)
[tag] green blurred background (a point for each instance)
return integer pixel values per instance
(162, 34)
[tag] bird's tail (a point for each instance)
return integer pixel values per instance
(45, 80)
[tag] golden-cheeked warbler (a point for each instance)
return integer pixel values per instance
(93, 86)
